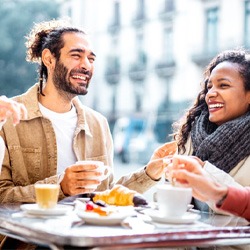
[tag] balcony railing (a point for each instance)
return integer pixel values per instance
(168, 11)
(202, 59)
(137, 72)
(113, 72)
(140, 16)
(165, 68)
(114, 27)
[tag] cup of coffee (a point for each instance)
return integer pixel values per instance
(172, 200)
(104, 170)
(46, 195)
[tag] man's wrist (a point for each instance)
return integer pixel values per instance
(145, 170)
(60, 177)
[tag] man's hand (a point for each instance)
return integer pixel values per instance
(168, 149)
(79, 179)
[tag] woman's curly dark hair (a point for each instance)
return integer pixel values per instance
(47, 35)
(183, 127)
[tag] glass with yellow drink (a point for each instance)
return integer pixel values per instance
(46, 195)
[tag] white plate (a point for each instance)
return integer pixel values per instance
(154, 205)
(35, 210)
(114, 218)
(187, 218)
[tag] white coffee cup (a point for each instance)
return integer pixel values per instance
(104, 170)
(173, 201)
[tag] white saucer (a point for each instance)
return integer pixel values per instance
(35, 210)
(187, 218)
(114, 218)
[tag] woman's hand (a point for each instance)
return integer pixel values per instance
(12, 108)
(188, 171)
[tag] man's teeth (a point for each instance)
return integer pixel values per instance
(217, 105)
(80, 77)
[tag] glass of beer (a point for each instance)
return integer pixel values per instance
(46, 195)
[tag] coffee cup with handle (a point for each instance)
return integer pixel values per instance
(172, 200)
(100, 167)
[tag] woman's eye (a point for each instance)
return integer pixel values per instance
(224, 85)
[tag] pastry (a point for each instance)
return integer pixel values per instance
(119, 196)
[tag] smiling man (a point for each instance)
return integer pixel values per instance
(59, 129)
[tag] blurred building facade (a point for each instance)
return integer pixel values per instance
(151, 53)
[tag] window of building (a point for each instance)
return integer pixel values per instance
(117, 13)
(247, 24)
(168, 45)
(141, 9)
(211, 29)
(169, 5)
(141, 55)
(114, 25)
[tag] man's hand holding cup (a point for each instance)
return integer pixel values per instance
(84, 177)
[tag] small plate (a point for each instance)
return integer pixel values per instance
(187, 218)
(35, 210)
(114, 218)
(155, 206)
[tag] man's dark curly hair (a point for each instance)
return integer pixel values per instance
(47, 35)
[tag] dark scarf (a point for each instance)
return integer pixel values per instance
(225, 145)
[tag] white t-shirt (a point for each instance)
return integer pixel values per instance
(64, 125)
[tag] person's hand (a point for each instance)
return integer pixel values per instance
(168, 149)
(12, 108)
(79, 179)
(188, 171)
(155, 168)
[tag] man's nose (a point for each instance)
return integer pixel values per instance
(85, 64)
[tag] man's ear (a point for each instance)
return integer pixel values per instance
(48, 59)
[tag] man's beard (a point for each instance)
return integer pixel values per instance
(63, 84)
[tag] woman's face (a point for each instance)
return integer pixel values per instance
(226, 97)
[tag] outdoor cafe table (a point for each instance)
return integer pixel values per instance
(69, 231)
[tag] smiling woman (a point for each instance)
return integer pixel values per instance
(216, 129)
(227, 97)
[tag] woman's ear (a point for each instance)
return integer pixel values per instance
(48, 59)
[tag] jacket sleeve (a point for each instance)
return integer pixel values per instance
(221, 177)
(2, 149)
(237, 202)
(138, 181)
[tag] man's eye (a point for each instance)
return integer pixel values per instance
(76, 55)
(91, 59)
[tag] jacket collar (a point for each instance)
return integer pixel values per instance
(30, 100)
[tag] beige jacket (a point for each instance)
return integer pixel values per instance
(31, 152)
